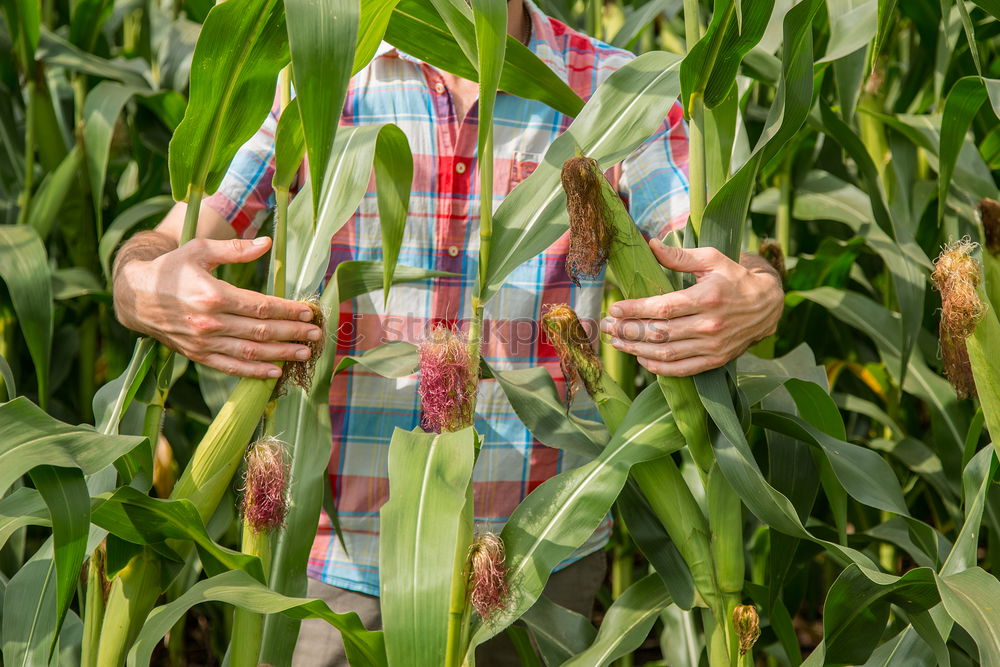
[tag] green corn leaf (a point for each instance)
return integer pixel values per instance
(50, 199)
(984, 368)
(65, 493)
(626, 624)
(418, 30)
(990, 6)
(24, 507)
(428, 477)
(962, 103)
(289, 146)
(559, 632)
(394, 359)
(55, 51)
(29, 605)
(242, 47)
(882, 326)
(858, 609)
(711, 65)
(345, 183)
(152, 208)
(101, 110)
(7, 377)
(372, 23)
(304, 421)
(24, 268)
(393, 178)
(639, 19)
(29, 438)
(653, 541)
(321, 36)
(237, 588)
(23, 24)
(456, 17)
(970, 598)
(851, 28)
(886, 12)
(564, 511)
(533, 395)
(137, 518)
(611, 126)
(724, 217)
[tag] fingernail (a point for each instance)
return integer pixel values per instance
(306, 315)
(607, 323)
(274, 373)
(616, 342)
(615, 310)
(315, 334)
(657, 242)
(302, 354)
(261, 240)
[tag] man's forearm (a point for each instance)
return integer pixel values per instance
(143, 246)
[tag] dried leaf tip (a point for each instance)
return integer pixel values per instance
(956, 275)
(488, 575)
(747, 624)
(590, 231)
(989, 212)
(577, 358)
(265, 481)
(771, 251)
(447, 386)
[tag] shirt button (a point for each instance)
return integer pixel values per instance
(460, 167)
(438, 87)
(453, 251)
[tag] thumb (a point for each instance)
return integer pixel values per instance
(687, 260)
(211, 252)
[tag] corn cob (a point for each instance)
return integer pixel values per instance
(601, 230)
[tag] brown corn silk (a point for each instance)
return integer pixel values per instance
(771, 251)
(577, 358)
(747, 624)
(300, 373)
(989, 212)
(591, 235)
(488, 589)
(956, 275)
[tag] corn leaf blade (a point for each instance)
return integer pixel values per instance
(428, 477)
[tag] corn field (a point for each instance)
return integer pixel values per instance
(826, 499)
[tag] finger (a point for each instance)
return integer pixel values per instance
(241, 368)
(650, 331)
(662, 331)
(688, 260)
(682, 368)
(660, 307)
(261, 306)
(248, 350)
(210, 253)
(249, 328)
(673, 351)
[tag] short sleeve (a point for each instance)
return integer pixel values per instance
(245, 196)
(654, 179)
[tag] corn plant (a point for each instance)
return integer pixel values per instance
(828, 498)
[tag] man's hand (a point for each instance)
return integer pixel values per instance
(174, 298)
(731, 307)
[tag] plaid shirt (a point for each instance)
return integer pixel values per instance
(442, 233)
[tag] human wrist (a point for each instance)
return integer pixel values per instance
(144, 247)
